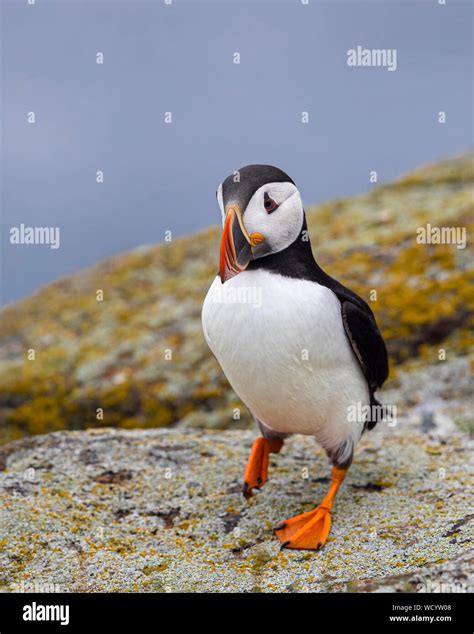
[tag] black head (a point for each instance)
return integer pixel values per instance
(239, 187)
(262, 214)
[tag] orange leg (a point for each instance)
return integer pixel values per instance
(311, 530)
(256, 471)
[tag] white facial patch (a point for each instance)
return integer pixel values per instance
(281, 227)
(220, 201)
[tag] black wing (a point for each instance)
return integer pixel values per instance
(361, 330)
(366, 341)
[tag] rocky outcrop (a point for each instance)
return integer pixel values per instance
(124, 337)
(161, 510)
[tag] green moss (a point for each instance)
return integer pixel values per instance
(259, 559)
(465, 424)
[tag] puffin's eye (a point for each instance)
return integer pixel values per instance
(269, 204)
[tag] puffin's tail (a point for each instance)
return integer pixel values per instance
(378, 413)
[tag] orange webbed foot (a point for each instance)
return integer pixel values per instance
(311, 530)
(256, 471)
(308, 531)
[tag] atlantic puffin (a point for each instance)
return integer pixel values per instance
(301, 350)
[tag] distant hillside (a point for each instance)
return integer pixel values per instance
(114, 354)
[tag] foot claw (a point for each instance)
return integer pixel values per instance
(246, 490)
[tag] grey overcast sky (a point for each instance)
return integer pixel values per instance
(178, 58)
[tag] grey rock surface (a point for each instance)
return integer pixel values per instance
(162, 511)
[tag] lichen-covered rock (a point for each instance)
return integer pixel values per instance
(161, 510)
(139, 354)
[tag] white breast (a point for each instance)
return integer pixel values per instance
(281, 344)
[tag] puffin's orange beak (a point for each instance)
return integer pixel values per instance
(236, 245)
